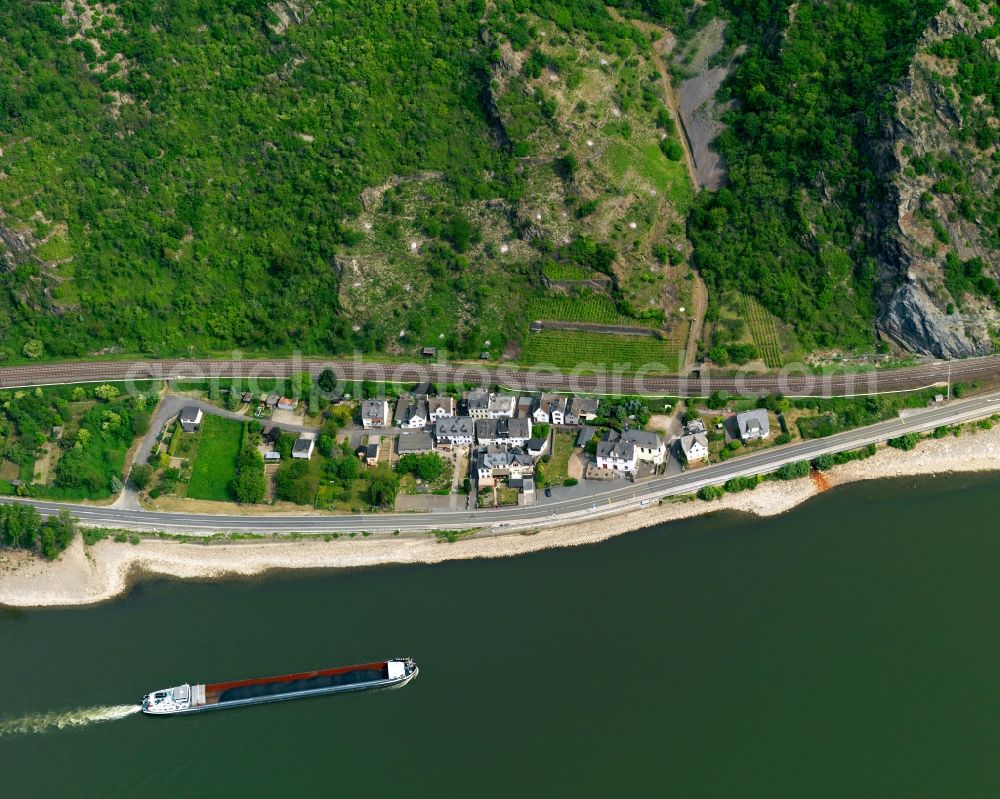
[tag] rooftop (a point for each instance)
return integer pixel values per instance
(417, 441)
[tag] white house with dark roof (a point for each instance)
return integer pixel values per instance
(455, 431)
(496, 463)
(477, 402)
(501, 405)
(581, 409)
(694, 447)
(411, 413)
(753, 425)
(303, 448)
(503, 431)
(615, 454)
(190, 418)
(374, 413)
(536, 447)
(622, 452)
(371, 450)
(440, 408)
(649, 447)
(551, 410)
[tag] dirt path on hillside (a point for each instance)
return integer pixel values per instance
(699, 292)
(699, 307)
(669, 97)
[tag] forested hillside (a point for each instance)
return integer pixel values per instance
(188, 164)
(813, 92)
(192, 176)
(941, 219)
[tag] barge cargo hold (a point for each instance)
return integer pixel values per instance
(189, 698)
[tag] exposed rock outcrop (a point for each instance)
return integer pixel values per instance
(288, 13)
(913, 319)
(941, 181)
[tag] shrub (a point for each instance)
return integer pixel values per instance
(142, 475)
(711, 493)
(793, 471)
(672, 149)
(905, 442)
(91, 535)
(737, 484)
(824, 463)
(570, 481)
(106, 392)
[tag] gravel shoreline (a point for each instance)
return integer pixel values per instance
(87, 575)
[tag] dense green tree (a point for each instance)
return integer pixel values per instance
(327, 380)
(249, 486)
(141, 476)
(381, 490)
(21, 527)
(293, 483)
(428, 466)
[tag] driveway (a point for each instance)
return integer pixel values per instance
(167, 409)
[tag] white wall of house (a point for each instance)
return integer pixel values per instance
(656, 456)
(696, 452)
(616, 464)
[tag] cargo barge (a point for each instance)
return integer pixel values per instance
(190, 698)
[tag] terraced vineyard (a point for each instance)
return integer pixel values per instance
(764, 332)
(595, 309)
(561, 271)
(570, 349)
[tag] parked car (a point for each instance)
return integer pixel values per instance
(548, 492)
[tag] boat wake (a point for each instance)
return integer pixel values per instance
(43, 722)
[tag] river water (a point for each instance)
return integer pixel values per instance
(849, 648)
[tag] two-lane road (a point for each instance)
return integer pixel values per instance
(616, 498)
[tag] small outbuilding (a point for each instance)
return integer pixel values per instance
(190, 418)
(303, 448)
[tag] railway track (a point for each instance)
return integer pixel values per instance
(623, 379)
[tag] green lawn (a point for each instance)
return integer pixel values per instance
(55, 249)
(347, 499)
(557, 469)
(507, 495)
(215, 463)
(667, 177)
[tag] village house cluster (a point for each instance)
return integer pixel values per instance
(498, 428)
(506, 435)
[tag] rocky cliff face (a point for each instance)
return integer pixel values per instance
(939, 228)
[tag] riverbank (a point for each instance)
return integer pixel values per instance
(86, 575)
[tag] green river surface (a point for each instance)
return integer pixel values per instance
(850, 648)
